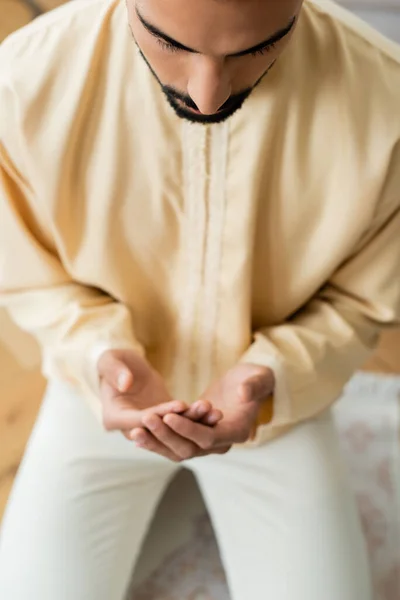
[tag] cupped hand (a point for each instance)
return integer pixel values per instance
(132, 391)
(238, 395)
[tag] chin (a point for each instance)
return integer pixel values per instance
(193, 117)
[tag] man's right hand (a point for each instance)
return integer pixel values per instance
(131, 389)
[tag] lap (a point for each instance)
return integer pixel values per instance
(80, 507)
(285, 517)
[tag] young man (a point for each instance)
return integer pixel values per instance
(200, 224)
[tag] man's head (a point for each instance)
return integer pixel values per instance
(208, 55)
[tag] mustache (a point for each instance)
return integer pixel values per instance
(232, 101)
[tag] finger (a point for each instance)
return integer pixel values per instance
(201, 435)
(116, 418)
(212, 418)
(256, 388)
(223, 450)
(123, 420)
(111, 396)
(198, 410)
(202, 411)
(175, 406)
(145, 440)
(115, 372)
(180, 446)
(208, 438)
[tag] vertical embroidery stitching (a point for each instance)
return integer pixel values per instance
(213, 254)
(194, 182)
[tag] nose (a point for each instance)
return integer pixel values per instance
(209, 85)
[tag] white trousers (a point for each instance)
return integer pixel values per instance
(284, 516)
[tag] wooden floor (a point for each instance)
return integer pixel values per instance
(21, 393)
(20, 397)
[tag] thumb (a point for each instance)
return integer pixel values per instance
(258, 387)
(115, 372)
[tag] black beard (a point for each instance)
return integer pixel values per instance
(230, 107)
(233, 104)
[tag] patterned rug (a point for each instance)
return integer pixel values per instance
(368, 418)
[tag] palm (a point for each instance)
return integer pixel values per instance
(147, 388)
(142, 393)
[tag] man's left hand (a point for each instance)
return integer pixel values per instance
(238, 395)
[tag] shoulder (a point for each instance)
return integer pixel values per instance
(355, 62)
(64, 24)
(354, 30)
(54, 45)
(45, 67)
(336, 28)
